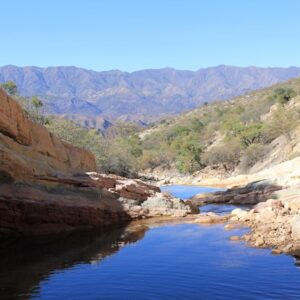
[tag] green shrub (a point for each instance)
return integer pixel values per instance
(283, 94)
(10, 87)
(188, 154)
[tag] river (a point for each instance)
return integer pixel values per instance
(170, 261)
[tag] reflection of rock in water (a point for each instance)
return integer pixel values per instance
(26, 262)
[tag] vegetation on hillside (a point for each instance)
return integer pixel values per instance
(32, 106)
(117, 151)
(225, 134)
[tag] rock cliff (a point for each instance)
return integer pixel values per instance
(45, 187)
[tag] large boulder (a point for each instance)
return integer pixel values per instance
(162, 204)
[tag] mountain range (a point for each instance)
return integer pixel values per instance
(141, 96)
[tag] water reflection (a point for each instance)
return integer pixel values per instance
(176, 259)
(24, 263)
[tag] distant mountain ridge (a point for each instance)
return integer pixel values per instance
(140, 96)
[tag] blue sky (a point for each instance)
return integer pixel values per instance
(136, 34)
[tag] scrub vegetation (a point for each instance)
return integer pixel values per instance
(224, 134)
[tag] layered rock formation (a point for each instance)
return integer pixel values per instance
(252, 193)
(141, 200)
(45, 187)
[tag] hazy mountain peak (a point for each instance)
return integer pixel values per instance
(150, 92)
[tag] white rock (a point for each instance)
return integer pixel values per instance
(238, 212)
(294, 205)
(266, 215)
(296, 227)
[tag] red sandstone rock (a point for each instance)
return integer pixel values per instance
(44, 188)
(39, 192)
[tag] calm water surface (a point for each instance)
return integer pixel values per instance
(183, 261)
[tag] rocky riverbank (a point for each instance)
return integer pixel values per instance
(49, 186)
(286, 174)
(274, 223)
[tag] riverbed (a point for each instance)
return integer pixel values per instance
(170, 261)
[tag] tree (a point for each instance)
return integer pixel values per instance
(32, 107)
(37, 104)
(10, 87)
(247, 133)
(188, 156)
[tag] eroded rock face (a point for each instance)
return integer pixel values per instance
(28, 150)
(45, 187)
(12, 120)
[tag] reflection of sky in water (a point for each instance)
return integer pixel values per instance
(181, 262)
(221, 208)
(184, 192)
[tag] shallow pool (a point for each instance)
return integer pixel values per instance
(184, 261)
